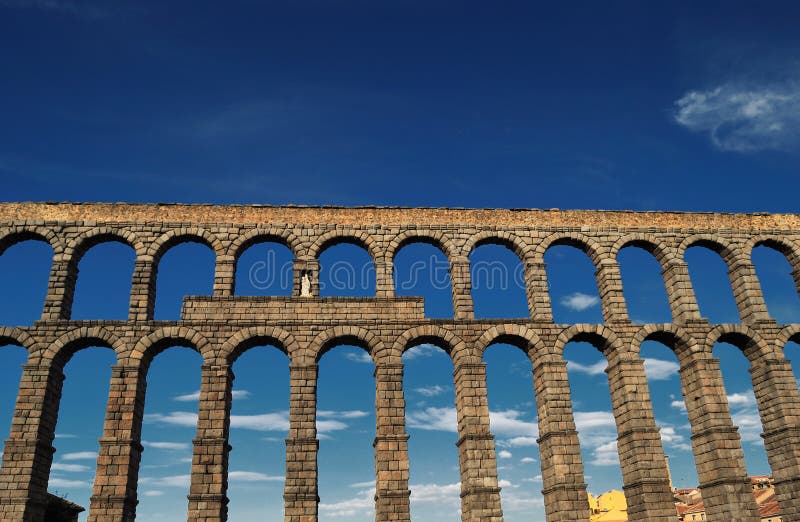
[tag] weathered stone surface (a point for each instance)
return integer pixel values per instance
(223, 326)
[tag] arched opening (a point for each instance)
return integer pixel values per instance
(777, 284)
(594, 416)
(185, 269)
(573, 286)
(259, 427)
(512, 407)
(170, 425)
(265, 268)
(346, 430)
(422, 269)
(663, 380)
(24, 274)
(12, 357)
(643, 286)
(742, 403)
(103, 286)
(81, 414)
(711, 284)
(432, 426)
(346, 270)
(498, 282)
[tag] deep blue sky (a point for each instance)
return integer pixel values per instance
(634, 105)
(417, 103)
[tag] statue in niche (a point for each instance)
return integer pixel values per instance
(305, 285)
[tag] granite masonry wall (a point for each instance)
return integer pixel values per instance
(222, 326)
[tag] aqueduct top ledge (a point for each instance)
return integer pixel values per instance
(375, 215)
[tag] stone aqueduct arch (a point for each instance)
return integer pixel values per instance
(222, 326)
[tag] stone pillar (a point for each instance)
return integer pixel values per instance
(60, 290)
(143, 290)
(391, 446)
(301, 496)
(384, 279)
(538, 292)
(563, 484)
(114, 495)
(461, 283)
(609, 283)
(796, 278)
(779, 404)
(718, 454)
(480, 493)
(682, 300)
(225, 276)
(208, 500)
(641, 454)
(28, 451)
(747, 291)
(308, 267)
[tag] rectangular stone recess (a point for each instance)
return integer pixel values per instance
(277, 309)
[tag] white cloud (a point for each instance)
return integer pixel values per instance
(61, 466)
(431, 391)
(504, 454)
(421, 350)
(253, 476)
(173, 481)
(678, 405)
(670, 437)
(587, 420)
(172, 446)
(507, 423)
(660, 370)
(66, 436)
(363, 504)
(606, 454)
(527, 460)
(737, 400)
(578, 301)
(516, 442)
(436, 494)
(153, 493)
(433, 419)
(349, 414)
(80, 455)
(744, 118)
(327, 421)
(195, 396)
(359, 356)
(56, 482)
(597, 368)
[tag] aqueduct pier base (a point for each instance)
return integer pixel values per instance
(222, 326)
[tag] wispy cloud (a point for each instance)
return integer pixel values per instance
(660, 370)
(62, 466)
(359, 357)
(744, 117)
(56, 482)
(419, 351)
(327, 421)
(253, 476)
(597, 368)
(171, 446)
(195, 396)
(431, 391)
(578, 301)
(80, 455)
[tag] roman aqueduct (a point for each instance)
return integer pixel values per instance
(223, 326)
